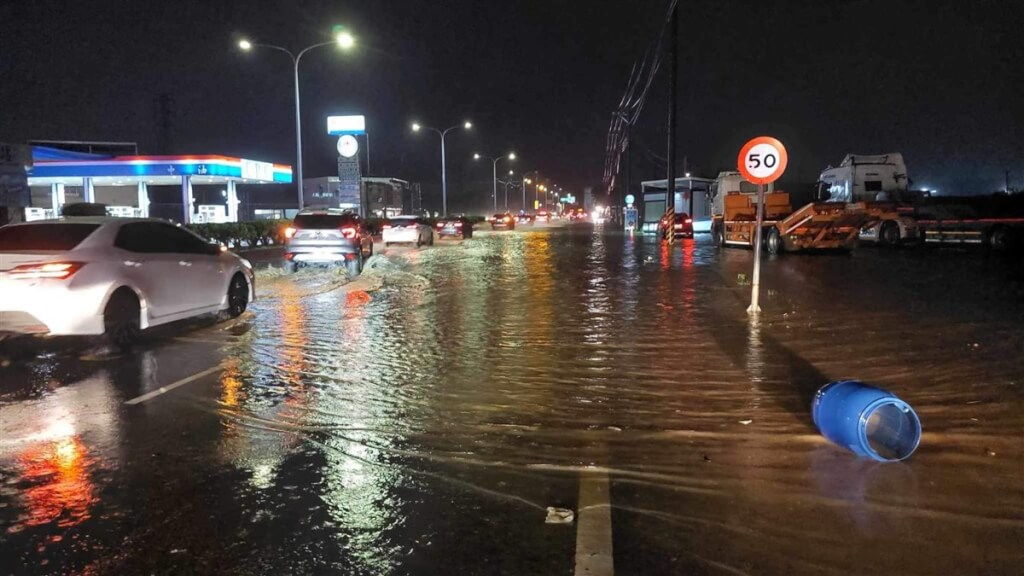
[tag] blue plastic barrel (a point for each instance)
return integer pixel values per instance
(869, 421)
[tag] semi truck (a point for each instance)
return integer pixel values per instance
(880, 184)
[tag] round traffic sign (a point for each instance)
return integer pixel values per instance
(762, 160)
(348, 146)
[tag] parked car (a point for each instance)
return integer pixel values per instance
(407, 230)
(455, 226)
(543, 216)
(502, 222)
(328, 237)
(113, 276)
(681, 226)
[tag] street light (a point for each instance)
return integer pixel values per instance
(494, 165)
(342, 39)
(416, 127)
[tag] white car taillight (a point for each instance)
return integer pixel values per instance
(51, 270)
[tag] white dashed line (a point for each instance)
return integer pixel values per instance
(172, 386)
(594, 527)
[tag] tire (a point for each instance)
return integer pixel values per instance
(717, 238)
(999, 239)
(387, 244)
(774, 241)
(238, 296)
(354, 266)
(121, 320)
(889, 234)
(431, 243)
(291, 267)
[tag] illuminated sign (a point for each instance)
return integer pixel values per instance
(256, 170)
(339, 125)
(348, 146)
(630, 199)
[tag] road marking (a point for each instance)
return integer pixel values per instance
(165, 389)
(594, 527)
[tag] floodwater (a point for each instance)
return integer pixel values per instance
(421, 419)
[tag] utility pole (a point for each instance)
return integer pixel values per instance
(670, 188)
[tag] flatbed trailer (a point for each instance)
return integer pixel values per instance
(996, 233)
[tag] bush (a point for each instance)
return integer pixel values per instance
(244, 234)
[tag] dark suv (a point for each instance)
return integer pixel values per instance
(328, 237)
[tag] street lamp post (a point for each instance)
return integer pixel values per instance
(494, 162)
(343, 40)
(526, 180)
(444, 168)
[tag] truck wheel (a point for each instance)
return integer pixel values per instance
(774, 241)
(717, 236)
(998, 239)
(889, 234)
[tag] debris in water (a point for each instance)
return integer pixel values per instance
(559, 516)
(706, 458)
(741, 279)
(745, 422)
(989, 452)
(615, 429)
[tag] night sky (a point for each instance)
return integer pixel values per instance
(940, 80)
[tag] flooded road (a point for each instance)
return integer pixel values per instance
(422, 419)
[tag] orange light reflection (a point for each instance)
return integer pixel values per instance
(60, 488)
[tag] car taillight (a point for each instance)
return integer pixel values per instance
(53, 270)
(508, 218)
(458, 224)
(440, 224)
(387, 227)
(348, 232)
(289, 232)
(689, 221)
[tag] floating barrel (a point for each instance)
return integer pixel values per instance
(869, 421)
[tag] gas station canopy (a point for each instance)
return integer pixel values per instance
(56, 168)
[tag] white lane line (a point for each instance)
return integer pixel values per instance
(594, 527)
(165, 389)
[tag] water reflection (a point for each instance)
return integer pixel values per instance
(53, 450)
(59, 487)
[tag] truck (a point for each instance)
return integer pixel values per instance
(879, 184)
(815, 226)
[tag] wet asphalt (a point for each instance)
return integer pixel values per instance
(422, 418)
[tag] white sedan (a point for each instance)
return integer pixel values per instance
(407, 230)
(113, 276)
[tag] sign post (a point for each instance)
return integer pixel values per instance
(761, 161)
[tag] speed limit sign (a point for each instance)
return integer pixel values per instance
(762, 160)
